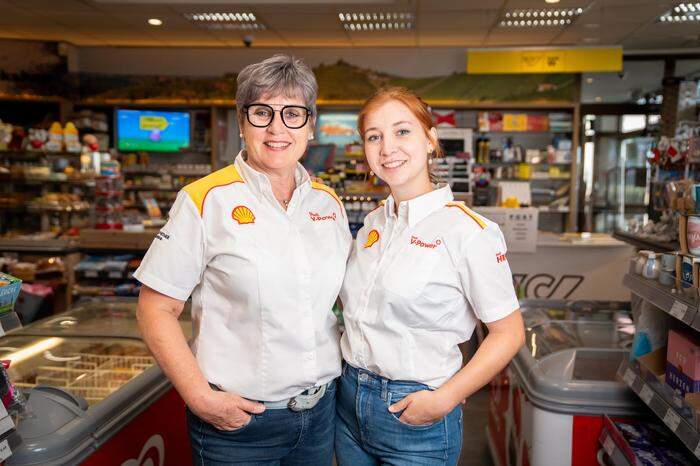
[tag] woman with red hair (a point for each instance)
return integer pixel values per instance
(423, 270)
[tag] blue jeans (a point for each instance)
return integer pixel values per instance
(366, 433)
(279, 437)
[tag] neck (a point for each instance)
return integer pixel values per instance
(283, 181)
(406, 193)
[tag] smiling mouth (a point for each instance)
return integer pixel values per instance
(277, 145)
(393, 164)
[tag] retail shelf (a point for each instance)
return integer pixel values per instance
(670, 411)
(556, 210)
(683, 305)
(528, 180)
(151, 188)
(14, 153)
(513, 164)
(549, 131)
(645, 243)
(53, 246)
(616, 456)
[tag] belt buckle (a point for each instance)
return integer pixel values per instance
(297, 405)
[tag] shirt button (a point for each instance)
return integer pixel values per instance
(310, 356)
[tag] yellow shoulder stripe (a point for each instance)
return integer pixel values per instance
(328, 190)
(198, 190)
(469, 212)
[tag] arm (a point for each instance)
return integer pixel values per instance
(503, 341)
(157, 316)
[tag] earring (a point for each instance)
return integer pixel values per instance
(311, 137)
(430, 161)
(240, 135)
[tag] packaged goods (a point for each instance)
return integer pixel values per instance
(9, 290)
(683, 362)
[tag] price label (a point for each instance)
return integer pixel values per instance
(646, 394)
(671, 419)
(628, 377)
(91, 273)
(5, 451)
(678, 310)
(608, 445)
(115, 274)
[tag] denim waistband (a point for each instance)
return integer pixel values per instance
(372, 380)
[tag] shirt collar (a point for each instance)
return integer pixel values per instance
(416, 209)
(259, 183)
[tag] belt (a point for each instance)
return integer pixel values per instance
(303, 401)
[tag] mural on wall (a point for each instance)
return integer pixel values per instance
(357, 85)
(31, 68)
(39, 69)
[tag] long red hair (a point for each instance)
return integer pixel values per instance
(413, 102)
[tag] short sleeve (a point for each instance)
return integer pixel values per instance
(486, 276)
(174, 263)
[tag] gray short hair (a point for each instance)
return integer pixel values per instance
(279, 74)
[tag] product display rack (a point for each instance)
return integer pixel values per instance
(682, 305)
(665, 406)
(645, 243)
(542, 188)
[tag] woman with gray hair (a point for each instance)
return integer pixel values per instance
(261, 249)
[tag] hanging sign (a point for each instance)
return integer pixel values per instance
(572, 60)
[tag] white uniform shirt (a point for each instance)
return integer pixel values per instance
(263, 280)
(417, 282)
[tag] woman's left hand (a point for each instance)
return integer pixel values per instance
(422, 407)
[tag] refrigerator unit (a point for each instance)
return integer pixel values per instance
(546, 408)
(95, 395)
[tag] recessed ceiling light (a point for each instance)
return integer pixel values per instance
(598, 98)
(555, 16)
(551, 1)
(589, 80)
(226, 20)
(155, 22)
(683, 13)
(376, 21)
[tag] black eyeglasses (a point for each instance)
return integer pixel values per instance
(261, 115)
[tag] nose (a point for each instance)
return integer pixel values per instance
(388, 146)
(276, 126)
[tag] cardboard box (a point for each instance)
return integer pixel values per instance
(683, 362)
(687, 271)
(117, 239)
(9, 290)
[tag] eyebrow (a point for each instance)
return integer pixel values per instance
(395, 124)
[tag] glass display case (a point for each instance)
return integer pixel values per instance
(91, 368)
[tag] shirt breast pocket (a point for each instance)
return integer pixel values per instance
(411, 271)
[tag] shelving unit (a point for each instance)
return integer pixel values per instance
(669, 408)
(645, 243)
(682, 305)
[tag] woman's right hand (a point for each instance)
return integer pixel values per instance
(225, 411)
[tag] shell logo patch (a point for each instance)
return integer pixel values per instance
(243, 215)
(372, 238)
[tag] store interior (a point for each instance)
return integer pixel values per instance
(573, 124)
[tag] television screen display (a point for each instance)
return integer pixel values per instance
(337, 128)
(318, 157)
(152, 130)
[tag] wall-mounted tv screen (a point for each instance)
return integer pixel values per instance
(152, 130)
(339, 128)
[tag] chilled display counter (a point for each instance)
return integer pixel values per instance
(95, 395)
(547, 407)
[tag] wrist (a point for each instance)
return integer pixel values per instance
(448, 397)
